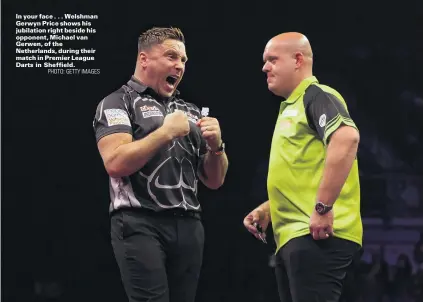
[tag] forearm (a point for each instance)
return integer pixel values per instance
(215, 168)
(129, 158)
(341, 153)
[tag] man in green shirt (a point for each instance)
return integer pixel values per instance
(313, 181)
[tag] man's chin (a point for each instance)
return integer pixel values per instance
(271, 88)
(275, 91)
(166, 93)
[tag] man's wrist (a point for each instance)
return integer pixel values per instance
(164, 132)
(214, 147)
(265, 209)
(217, 151)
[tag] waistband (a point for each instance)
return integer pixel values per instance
(162, 213)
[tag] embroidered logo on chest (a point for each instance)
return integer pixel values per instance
(290, 113)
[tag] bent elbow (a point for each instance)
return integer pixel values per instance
(114, 173)
(215, 185)
(114, 170)
(346, 135)
(355, 139)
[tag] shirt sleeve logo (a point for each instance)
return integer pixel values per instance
(117, 117)
(322, 120)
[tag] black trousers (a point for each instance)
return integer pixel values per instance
(309, 270)
(159, 255)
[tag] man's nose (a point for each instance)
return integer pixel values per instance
(180, 66)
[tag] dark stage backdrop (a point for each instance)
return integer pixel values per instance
(55, 223)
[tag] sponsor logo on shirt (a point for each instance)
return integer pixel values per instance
(285, 124)
(290, 112)
(150, 111)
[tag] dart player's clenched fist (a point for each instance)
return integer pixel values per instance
(210, 129)
(176, 124)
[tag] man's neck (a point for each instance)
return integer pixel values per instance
(159, 97)
(140, 79)
(302, 77)
(298, 81)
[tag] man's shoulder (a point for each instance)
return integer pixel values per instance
(117, 96)
(326, 89)
(320, 90)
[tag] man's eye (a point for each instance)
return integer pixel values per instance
(271, 60)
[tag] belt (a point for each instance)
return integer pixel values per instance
(164, 213)
(181, 213)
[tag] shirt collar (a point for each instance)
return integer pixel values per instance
(137, 85)
(301, 88)
(141, 88)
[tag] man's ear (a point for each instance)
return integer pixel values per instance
(299, 59)
(142, 58)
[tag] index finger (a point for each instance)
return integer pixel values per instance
(200, 120)
(206, 119)
(248, 223)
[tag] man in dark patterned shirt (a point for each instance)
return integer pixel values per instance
(155, 147)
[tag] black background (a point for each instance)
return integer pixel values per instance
(55, 190)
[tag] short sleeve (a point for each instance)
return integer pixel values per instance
(326, 113)
(112, 116)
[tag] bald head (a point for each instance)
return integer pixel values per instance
(288, 59)
(293, 42)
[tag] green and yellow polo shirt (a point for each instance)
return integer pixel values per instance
(305, 123)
